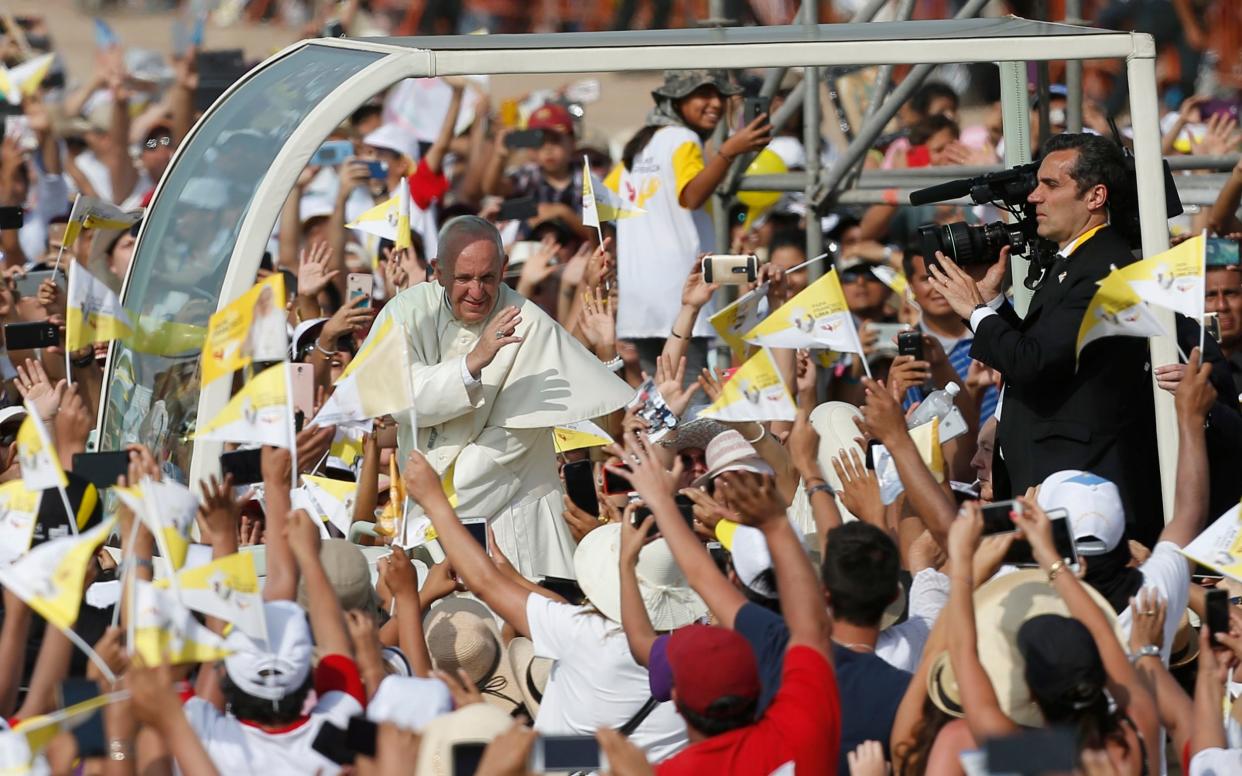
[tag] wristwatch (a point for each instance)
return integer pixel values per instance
(1147, 650)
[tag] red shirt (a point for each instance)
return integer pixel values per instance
(803, 724)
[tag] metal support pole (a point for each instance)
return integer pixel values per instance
(1015, 122)
(1073, 73)
(1154, 225)
(871, 129)
(811, 142)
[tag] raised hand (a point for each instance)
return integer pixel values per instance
(860, 488)
(580, 523)
(1195, 395)
(421, 481)
(670, 382)
(38, 391)
(598, 323)
(696, 292)
(754, 497)
(303, 537)
(496, 335)
(633, 539)
(752, 137)
(314, 272)
(906, 373)
(218, 513)
(352, 316)
(461, 688)
(882, 416)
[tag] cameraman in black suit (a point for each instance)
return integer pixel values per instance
(1094, 412)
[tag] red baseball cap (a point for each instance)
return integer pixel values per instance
(551, 116)
(711, 663)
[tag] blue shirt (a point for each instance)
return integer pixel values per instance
(959, 358)
(870, 689)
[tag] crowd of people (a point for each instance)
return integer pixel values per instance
(821, 592)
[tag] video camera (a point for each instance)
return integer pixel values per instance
(971, 245)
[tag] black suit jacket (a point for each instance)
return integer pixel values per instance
(1094, 413)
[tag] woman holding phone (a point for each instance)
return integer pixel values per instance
(664, 172)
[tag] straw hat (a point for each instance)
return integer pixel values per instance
(668, 597)
(1001, 607)
(462, 633)
(532, 672)
(477, 723)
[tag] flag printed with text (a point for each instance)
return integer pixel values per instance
(167, 509)
(376, 382)
(1116, 310)
(165, 631)
(227, 588)
(816, 317)
(335, 499)
(1219, 547)
(95, 213)
(49, 578)
(580, 435)
(251, 328)
(257, 414)
(733, 322)
(755, 392)
(1172, 279)
(38, 460)
(93, 312)
(19, 509)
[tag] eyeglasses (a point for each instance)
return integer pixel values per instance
(155, 142)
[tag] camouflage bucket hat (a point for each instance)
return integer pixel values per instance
(679, 83)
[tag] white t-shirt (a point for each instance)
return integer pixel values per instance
(902, 645)
(1168, 571)
(595, 682)
(1216, 762)
(237, 748)
(656, 250)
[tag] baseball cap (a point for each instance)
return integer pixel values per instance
(280, 667)
(709, 664)
(1097, 518)
(749, 551)
(409, 702)
(390, 137)
(304, 335)
(552, 117)
(730, 452)
(349, 574)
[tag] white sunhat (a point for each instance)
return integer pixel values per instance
(730, 452)
(670, 601)
(1097, 518)
(409, 702)
(280, 667)
(392, 138)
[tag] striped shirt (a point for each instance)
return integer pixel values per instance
(959, 358)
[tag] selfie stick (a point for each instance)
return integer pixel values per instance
(1203, 275)
(820, 257)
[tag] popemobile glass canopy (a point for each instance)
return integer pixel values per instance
(209, 221)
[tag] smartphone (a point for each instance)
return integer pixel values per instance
(360, 735)
(477, 527)
(1216, 612)
(1211, 324)
(332, 153)
(330, 742)
(359, 284)
(753, 107)
(334, 29)
(378, 170)
(685, 505)
(30, 336)
(615, 484)
(386, 437)
(641, 514)
(565, 588)
(302, 380)
(101, 469)
(518, 208)
(88, 732)
(1040, 750)
(466, 757)
(580, 485)
(524, 138)
(11, 218)
(869, 454)
(1222, 252)
(243, 465)
(996, 519)
(730, 269)
(910, 343)
(566, 753)
(28, 284)
(1020, 551)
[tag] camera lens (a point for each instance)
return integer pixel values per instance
(969, 245)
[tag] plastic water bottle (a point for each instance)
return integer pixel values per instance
(937, 405)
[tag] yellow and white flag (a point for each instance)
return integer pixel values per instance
(94, 213)
(600, 203)
(93, 312)
(35, 733)
(376, 382)
(162, 337)
(1172, 279)
(1219, 547)
(254, 327)
(226, 588)
(334, 498)
(927, 439)
(25, 79)
(576, 436)
(165, 631)
(346, 446)
(39, 464)
(817, 317)
(389, 219)
(167, 509)
(257, 414)
(1116, 310)
(49, 578)
(754, 392)
(19, 509)
(734, 321)
(896, 281)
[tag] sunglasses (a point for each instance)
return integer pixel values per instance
(155, 142)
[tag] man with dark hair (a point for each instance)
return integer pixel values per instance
(1060, 409)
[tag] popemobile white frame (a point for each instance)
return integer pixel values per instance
(1006, 40)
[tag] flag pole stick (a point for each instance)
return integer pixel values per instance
(795, 268)
(91, 654)
(1203, 279)
(127, 566)
(293, 433)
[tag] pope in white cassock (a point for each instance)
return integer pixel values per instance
(492, 375)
